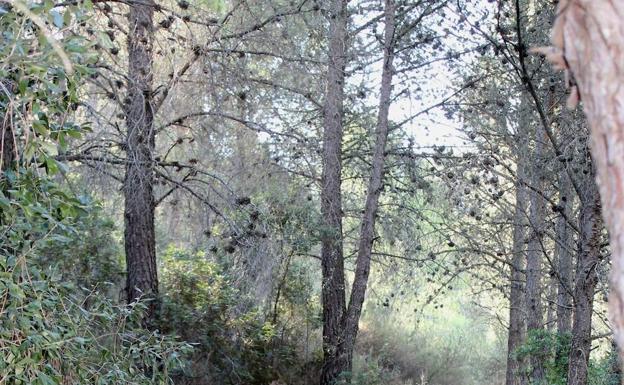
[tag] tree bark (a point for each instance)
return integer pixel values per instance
(590, 225)
(375, 187)
(534, 255)
(339, 348)
(564, 257)
(332, 260)
(139, 238)
(8, 152)
(588, 39)
(517, 322)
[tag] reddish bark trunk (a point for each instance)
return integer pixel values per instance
(588, 39)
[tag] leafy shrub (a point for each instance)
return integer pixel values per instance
(91, 254)
(200, 304)
(553, 349)
(53, 333)
(606, 370)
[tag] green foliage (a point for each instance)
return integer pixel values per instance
(370, 370)
(53, 333)
(292, 216)
(58, 229)
(299, 293)
(39, 91)
(34, 206)
(449, 346)
(601, 371)
(90, 255)
(200, 305)
(38, 94)
(553, 349)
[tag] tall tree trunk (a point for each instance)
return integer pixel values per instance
(375, 187)
(551, 304)
(142, 279)
(517, 324)
(339, 356)
(590, 225)
(534, 255)
(565, 266)
(332, 260)
(564, 256)
(588, 38)
(8, 152)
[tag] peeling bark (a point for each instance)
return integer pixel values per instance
(588, 39)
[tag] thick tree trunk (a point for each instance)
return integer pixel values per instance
(333, 286)
(534, 255)
(517, 322)
(375, 187)
(588, 39)
(142, 279)
(564, 257)
(590, 225)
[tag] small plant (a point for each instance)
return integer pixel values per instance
(201, 305)
(552, 349)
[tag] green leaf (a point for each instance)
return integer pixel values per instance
(50, 148)
(76, 134)
(105, 40)
(44, 379)
(22, 86)
(5, 202)
(67, 17)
